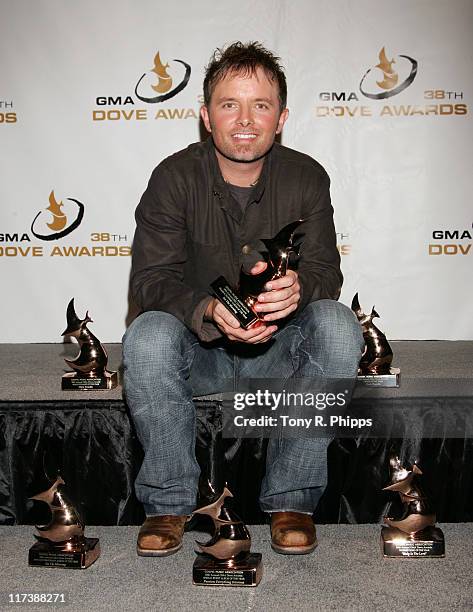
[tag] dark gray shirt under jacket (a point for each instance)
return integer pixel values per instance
(190, 230)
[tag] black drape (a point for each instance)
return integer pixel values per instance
(95, 448)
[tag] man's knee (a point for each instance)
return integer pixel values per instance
(152, 335)
(335, 323)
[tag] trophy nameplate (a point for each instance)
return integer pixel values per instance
(414, 534)
(390, 379)
(90, 366)
(211, 572)
(233, 303)
(226, 559)
(61, 543)
(426, 543)
(277, 257)
(71, 381)
(73, 555)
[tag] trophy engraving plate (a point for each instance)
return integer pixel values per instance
(71, 381)
(392, 379)
(73, 556)
(426, 543)
(233, 303)
(208, 571)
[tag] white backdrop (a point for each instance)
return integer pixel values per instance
(401, 166)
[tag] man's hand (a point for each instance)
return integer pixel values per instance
(230, 326)
(280, 299)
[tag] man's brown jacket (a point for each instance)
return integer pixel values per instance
(190, 230)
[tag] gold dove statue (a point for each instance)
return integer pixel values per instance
(92, 358)
(413, 533)
(90, 365)
(226, 560)
(65, 522)
(378, 354)
(61, 542)
(231, 539)
(417, 508)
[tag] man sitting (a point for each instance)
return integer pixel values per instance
(202, 209)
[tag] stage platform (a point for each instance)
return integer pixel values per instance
(32, 372)
(88, 436)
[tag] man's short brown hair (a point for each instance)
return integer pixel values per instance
(244, 59)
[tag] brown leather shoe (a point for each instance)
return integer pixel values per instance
(160, 536)
(292, 533)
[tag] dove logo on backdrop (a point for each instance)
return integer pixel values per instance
(376, 88)
(53, 223)
(383, 82)
(164, 80)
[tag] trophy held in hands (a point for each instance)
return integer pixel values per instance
(61, 543)
(277, 257)
(414, 533)
(90, 365)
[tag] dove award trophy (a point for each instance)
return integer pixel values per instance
(414, 533)
(61, 543)
(375, 366)
(90, 365)
(226, 560)
(240, 302)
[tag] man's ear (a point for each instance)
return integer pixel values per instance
(204, 114)
(282, 120)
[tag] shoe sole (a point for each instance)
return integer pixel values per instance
(147, 552)
(294, 550)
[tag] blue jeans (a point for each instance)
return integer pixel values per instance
(165, 365)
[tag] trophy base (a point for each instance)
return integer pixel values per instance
(245, 573)
(429, 542)
(72, 381)
(393, 379)
(72, 555)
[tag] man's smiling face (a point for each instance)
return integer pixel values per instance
(244, 116)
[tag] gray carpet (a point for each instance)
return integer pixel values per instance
(33, 371)
(346, 572)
